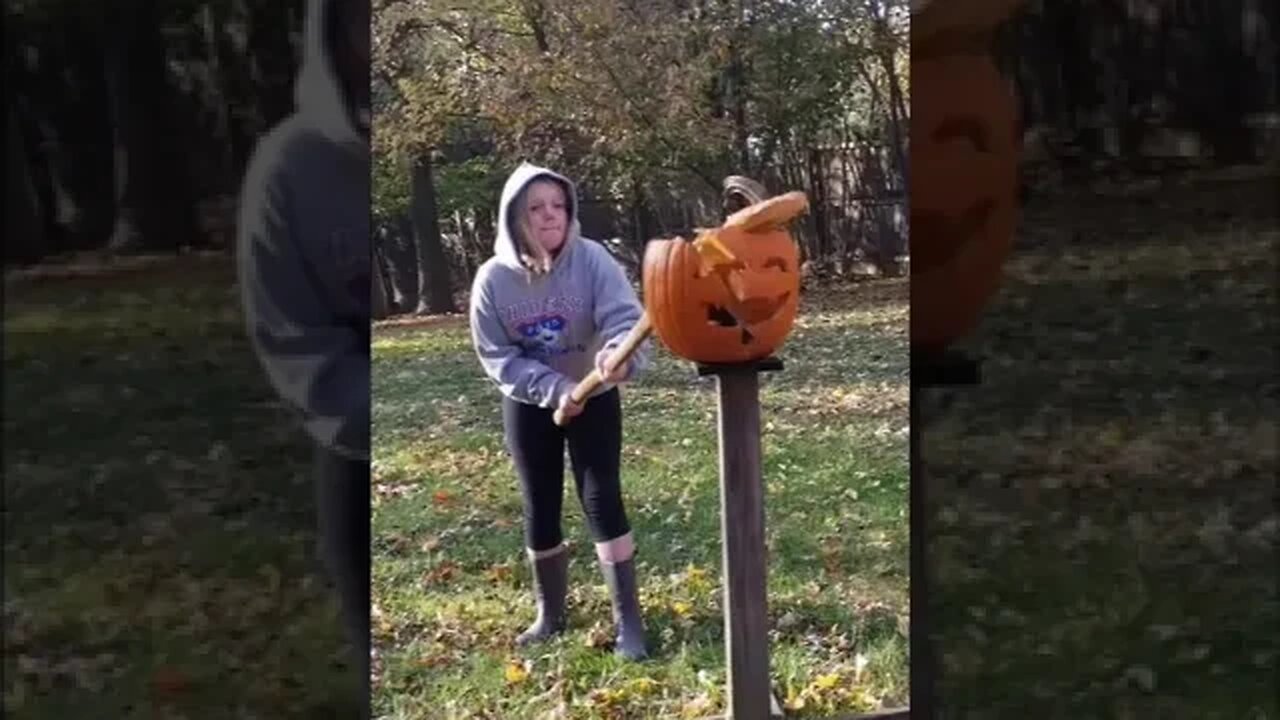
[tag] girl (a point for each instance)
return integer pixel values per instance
(547, 307)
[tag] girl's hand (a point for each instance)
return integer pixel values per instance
(618, 375)
(569, 408)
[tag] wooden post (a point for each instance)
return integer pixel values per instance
(746, 621)
(945, 368)
(928, 369)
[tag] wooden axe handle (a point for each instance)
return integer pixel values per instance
(620, 355)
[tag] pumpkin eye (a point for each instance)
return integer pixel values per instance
(776, 262)
(965, 127)
(723, 268)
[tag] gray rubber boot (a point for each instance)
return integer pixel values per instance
(550, 585)
(621, 579)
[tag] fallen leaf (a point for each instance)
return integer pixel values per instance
(442, 573)
(863, 700)
(516, 672)
(598, 636)
(643, 686)
(435, 661)
(607, 697)
(169, 682)
(698, 707)
(828, 681)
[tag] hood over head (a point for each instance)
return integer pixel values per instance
(318, 90)
(504, 245)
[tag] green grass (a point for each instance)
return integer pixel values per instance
(451, 588)
(158, 561)
(1103, 505)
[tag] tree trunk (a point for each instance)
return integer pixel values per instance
(23, 229)
(402, 256)
(381, 305)
(897, 105)
(88, 154)
(435, 294)
(897, 120)
(155, 209)
(1226, 132)
(818, 195)
(642, 226)
(37, 95)
(400, 259)
(273, 58)
(486, 232)
(472, 246)
(219, 99)
(738, 83)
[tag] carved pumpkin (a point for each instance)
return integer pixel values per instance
(731, 294)
(964, 164)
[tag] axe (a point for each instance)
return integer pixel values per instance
(620, 355)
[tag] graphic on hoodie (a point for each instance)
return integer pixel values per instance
(545, 336)
(544, 333)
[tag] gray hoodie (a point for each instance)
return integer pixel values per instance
(538, 335)
(303, 252)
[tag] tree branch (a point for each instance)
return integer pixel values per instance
(630, 104)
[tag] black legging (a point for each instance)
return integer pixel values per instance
(537, 444)
(342, 505)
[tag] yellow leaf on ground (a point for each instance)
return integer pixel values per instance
(698, 707)
(606, 697)
(643, 686)
(828, 681)
(498, 573)
(794, 700)
(516, 673)
(863, 700)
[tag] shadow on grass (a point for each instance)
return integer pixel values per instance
(1102, 527)
(158, 515)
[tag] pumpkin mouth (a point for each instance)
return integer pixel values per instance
(947, 234)
(749, 312)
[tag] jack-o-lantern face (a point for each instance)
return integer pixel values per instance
(723, 309)
(964, 155)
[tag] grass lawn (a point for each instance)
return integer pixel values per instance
(158, 515)
(451, 587)
(1104, 519)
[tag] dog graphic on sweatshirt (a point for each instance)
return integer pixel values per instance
(544, 335)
